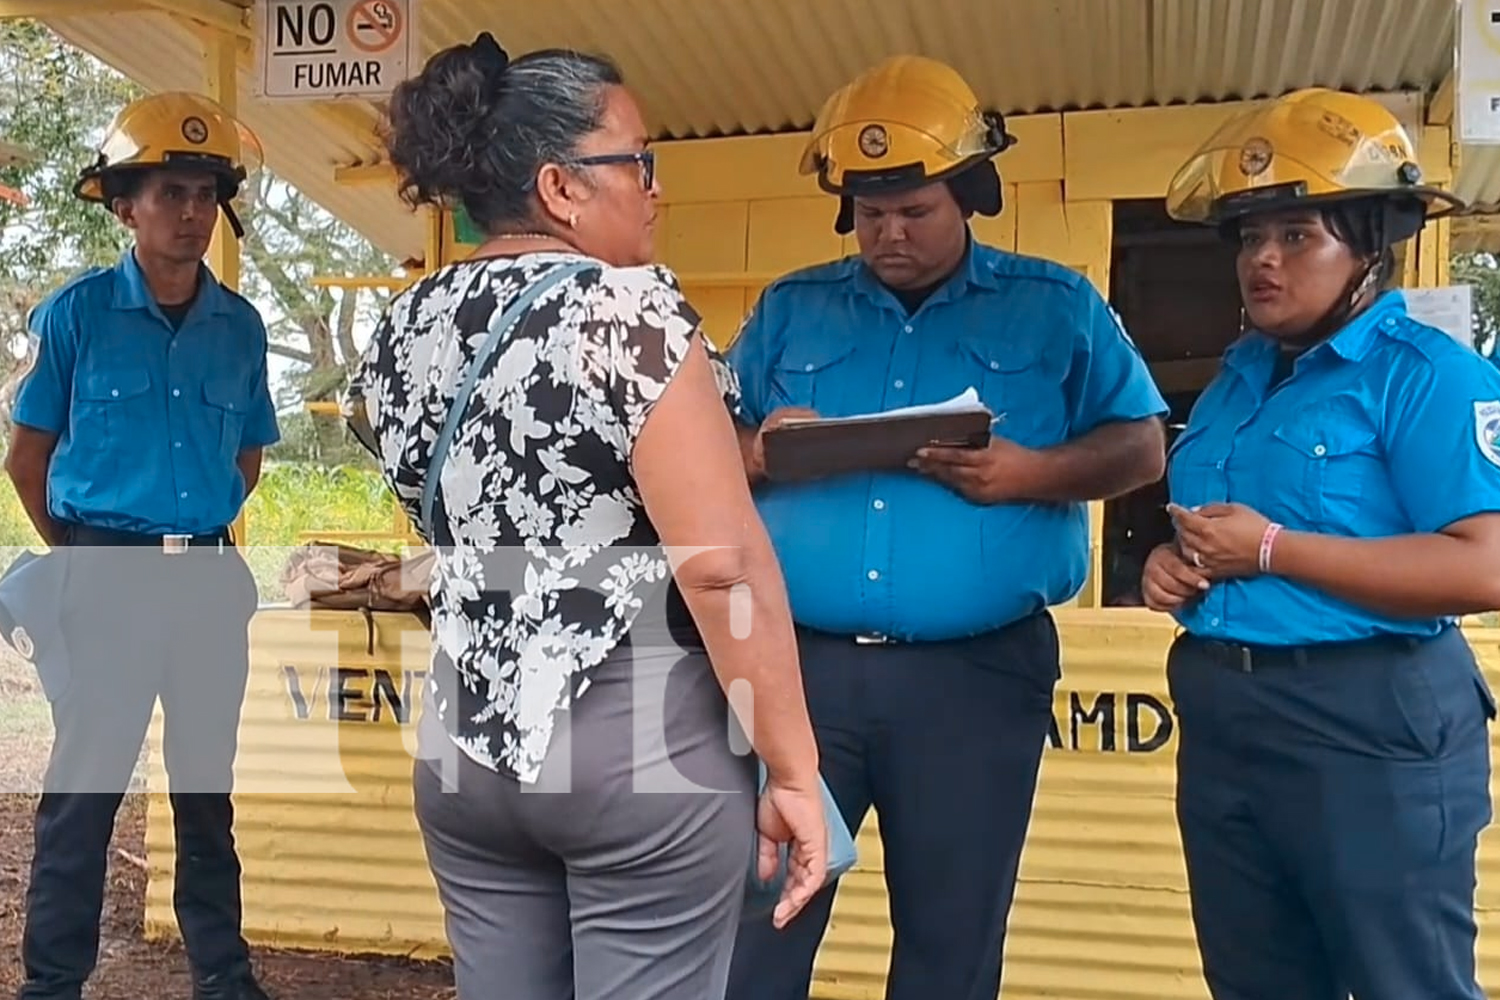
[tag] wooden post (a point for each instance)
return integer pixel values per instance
(221, 83)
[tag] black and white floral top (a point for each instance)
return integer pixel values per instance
(544, 550)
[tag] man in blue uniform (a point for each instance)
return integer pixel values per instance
(921, 597)
(139, 431)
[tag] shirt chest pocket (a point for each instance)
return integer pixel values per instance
(111, 405)
(1195, 476)
(1021, 383)
(225, 402)
(1322, 466)
(815, 376)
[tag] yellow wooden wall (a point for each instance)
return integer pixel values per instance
(333, 860)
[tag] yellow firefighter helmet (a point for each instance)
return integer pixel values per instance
(1310, 147)
(905, 122)
(175, 129)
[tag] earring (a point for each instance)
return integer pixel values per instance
(573, 221)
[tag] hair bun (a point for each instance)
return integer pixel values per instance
(492, 56)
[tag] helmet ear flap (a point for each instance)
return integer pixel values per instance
(843, 223)
(977, 189)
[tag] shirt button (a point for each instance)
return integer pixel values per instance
(1319, 450)
(995, 365)
(907, 328)
(177, 392)
(183, 494)
(879, 505)
(874, 574)
(1214, 622)
(176, 444)
(899, 383)
(808, 368)
(114, 392)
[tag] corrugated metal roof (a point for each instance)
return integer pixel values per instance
(719, 67)
(303, 143)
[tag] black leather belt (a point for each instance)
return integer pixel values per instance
(84, 534)
(881, 639)
(1250, 657)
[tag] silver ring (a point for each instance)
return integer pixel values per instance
(1197, 560)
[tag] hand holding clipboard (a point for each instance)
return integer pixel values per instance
(800, 449)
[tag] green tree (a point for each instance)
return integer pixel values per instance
(56, 101)
(1481, 271)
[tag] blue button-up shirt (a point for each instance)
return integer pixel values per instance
(149, 420)
(899, 553)
(1387, 428)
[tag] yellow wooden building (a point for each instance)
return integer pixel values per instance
(1107, 97)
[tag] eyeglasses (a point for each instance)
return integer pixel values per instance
(645, 158)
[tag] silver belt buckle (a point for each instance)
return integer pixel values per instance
(873, 639)
(174, 545)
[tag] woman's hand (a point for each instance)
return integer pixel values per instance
(1168, 582)
(792, 816)
(1220, 540)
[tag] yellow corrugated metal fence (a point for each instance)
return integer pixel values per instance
(333, 860)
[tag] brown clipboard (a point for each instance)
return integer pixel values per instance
(813, 449)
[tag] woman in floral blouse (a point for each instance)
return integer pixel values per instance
(570, 655)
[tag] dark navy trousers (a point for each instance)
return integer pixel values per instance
(1330, 802)
(141, 625)
(944, 740)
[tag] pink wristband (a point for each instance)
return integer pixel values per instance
(1266, 541)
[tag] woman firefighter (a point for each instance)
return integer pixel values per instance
(1336, 499)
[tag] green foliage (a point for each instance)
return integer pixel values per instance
(1482, 272)
(57, 101)
(292, 500)
(321, 440)
(54, 101)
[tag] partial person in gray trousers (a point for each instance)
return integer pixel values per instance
(589, 820)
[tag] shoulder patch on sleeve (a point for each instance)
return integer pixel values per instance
(1119, 320)
(1487, 429)
(33, 351)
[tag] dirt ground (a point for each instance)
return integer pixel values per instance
(131, 968)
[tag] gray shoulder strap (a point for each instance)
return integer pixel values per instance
(499, 328)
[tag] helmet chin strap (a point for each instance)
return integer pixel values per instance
(1354, 296)
(234, 219)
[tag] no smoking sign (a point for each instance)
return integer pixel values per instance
(374, 25)
(324, 49)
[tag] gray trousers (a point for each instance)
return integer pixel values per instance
(593, 884)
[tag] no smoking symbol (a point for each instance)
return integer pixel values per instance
(374, 25)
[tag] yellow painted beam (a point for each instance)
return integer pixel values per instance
(1440, 109)
(365, 173)
(765, 167)
(217, 14)
(221, 83)
(1434, 154)
(1133, 153)
(58, 9)
(373, 281)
